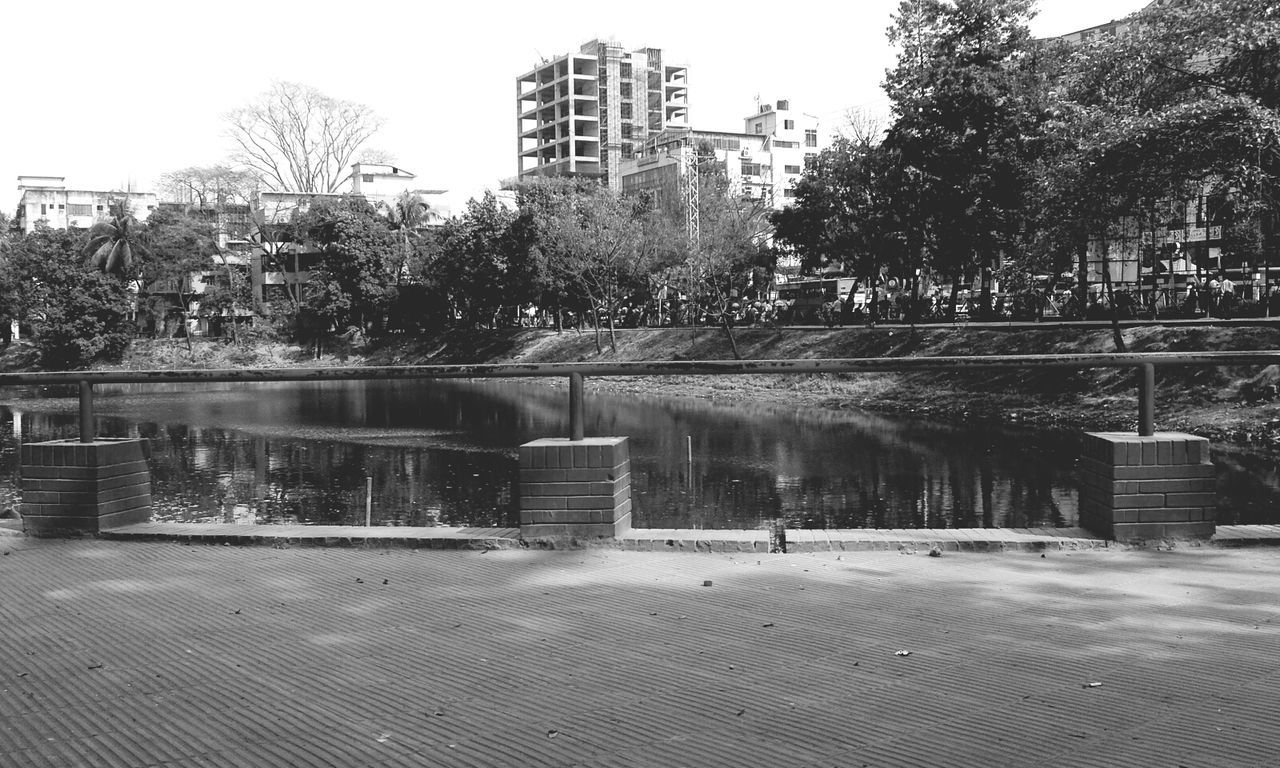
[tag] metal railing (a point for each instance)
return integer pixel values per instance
(1144, 362)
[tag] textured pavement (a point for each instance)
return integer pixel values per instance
(158, 653)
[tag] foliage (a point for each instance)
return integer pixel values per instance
(589, 238)
(77, 316)
(353, 284)
(112, 244)
(478, 263)
(967, 96)
(295, 138)
(731, 257)
(178, 244)
(407, 215)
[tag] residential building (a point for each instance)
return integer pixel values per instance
(279, 265)
(47, 199)
(763, 162)
(381, 184)
(587, 113)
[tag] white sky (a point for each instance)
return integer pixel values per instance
(103, 92)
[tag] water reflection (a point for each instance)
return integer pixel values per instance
(443, 453)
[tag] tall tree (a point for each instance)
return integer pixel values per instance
(1185, 103)
(295, 138)
(479, 256)
(731, 257)
(406, 215)
(209, 186)
(589, 237)
(967, 96)
(112, 244)
(352, 284)
(76, 316)
(179, 245)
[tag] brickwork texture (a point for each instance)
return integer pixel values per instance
(70, 488)
(575, 489)
(1136, 488)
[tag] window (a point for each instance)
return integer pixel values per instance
(811, 138)
(810, 159)
(43, 209)
(786, 144)
(367, 178)
(759, 127)
(790, 169)
(80, 209)
(788, 125)
(788, 193)
(61, 206)
(750, 169)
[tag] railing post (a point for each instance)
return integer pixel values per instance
(1146, 400)
(86, 412)
(576, 430)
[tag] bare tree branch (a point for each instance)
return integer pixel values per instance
(295, 138)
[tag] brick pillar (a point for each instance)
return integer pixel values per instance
(1136, 488)
(70, 487)
(575, 489)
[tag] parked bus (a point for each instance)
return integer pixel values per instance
(802, 299)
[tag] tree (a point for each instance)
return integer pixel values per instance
(480, 263)
(857, 206)
(406, 215)
(76, 316)
(295, 138)
(352, 285)
(111, 244)
(179, 244)
(967, 97)
(589, 238)
(1185, 103)
(213, 186)
(731, 257)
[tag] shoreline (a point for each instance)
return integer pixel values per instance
(1210, 402)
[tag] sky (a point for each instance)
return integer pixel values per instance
(108, 94)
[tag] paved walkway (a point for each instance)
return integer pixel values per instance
(158, 653)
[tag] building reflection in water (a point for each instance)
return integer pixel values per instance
(443, 453)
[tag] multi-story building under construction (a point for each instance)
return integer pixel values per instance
(585, 113)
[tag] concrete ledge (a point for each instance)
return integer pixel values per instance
(654, 539)
(319, 535)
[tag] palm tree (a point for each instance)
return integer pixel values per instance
(113, 242)
(407, 214)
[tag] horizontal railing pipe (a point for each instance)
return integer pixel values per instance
(662, 368)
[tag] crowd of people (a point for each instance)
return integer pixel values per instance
(1215, 297)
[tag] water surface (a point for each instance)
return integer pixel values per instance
(444, 453)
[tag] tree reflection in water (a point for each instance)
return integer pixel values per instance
(443, 453)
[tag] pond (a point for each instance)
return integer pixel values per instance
(444, 453)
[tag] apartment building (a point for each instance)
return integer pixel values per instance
(381, 184)
(762, 162)
(588, 113)
(47, 199)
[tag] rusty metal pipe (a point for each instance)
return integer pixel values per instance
(1146, 400)
(576, 428)
(86, 412)
(663, 368)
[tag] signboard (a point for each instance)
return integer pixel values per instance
(1189, 235)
